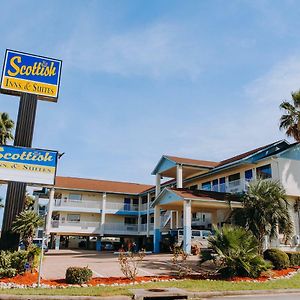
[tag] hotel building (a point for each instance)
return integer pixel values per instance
(188, 193)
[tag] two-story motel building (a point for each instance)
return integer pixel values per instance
(194, 196)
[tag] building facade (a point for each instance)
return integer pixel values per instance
(187, 194)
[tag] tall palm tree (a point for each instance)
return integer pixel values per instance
(265, 211)
(25, 224)
(6, 127)
(290, 121)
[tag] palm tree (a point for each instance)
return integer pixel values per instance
(290, 121)
(265, 211)
(237, 252)
(6, 127)
(25, 224)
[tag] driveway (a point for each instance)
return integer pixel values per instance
(103, 264)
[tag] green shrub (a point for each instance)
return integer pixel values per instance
(5, 261)
(18, 260)
(77, 275)
(294, 258)
(278, 258)
(33, 255)
(9, 272)
(237, 252)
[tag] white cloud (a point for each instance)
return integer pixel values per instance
(157, 50)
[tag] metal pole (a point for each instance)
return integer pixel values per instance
(41, 262)
(15, 195)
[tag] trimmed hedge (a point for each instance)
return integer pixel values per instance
(294, 258)
(77, 275)
(278, 258)
(9, 272)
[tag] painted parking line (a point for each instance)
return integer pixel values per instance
(146, 272)
(98, 274)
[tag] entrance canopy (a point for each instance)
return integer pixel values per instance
(173, 199)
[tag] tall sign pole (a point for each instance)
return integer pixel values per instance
(31, 77)
(16, 191)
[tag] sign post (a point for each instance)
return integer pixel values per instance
(32, 77)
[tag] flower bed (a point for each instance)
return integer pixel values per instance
(30, 279)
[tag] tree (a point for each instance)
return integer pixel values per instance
(237, 252)
(25, 224)
(290, 121)
(6, 127)
(265, 211)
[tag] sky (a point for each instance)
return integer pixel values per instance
(198, 79)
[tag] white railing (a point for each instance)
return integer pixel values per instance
(121, 206)
(143, 227)
(74, 203)
(120, 228)
(82, 225)
(144, 206)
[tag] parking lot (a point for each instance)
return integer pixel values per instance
(103, 264)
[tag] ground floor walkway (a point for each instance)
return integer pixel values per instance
(104, 264)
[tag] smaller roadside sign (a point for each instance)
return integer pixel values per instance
(29, 73)
(28, 165)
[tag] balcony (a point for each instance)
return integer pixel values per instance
(95, 228)
(235, 186)
(75, 227)
(73, 205)
(120, 206)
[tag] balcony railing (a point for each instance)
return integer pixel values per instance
(74, 203)
(79, 225)
(121, 206)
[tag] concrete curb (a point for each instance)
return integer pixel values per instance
(201, 295)
(59, 297)
(191, 295)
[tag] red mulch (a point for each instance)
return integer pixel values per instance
(267, 275)
(31, 278)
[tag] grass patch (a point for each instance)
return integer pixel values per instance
(191, 285)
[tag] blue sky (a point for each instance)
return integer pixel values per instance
(199, 79)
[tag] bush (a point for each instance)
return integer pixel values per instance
(278, 258)
(5, 259)
(77, 275)
(9, 272)
(237, 252)
(18, 260)
(294, 258)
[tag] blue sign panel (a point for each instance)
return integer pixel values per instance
(28, 73)
(27, 165)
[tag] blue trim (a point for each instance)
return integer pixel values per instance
(163, 165)
(126, 213)
(187, 239)
(165, 197)
(156, 241)
(98, 245)
(292, 153)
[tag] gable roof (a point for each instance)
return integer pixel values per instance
(96, 185)
(192, 162)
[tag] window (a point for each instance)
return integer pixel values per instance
(73, 218)
(234, 177)
(222, 184)
(194, 215)
(75, 197)
(264, 172)
(248, 175)
(130, 220)
(193, 187)
(126, 203)
(215, 185)
(203, 218)
(206, 186)
(144, 199)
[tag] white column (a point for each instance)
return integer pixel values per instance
(139, 213)
(226, 183)
(242, 181)
(179, 177)
(171, 219)
(214, 218)
(254, 174)
(157, 236)
(49, 211)
(102, 221)
(57, 242)
(157, 186)
(36, 204)
(177, 219)
(187, 226)
(148, 213)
